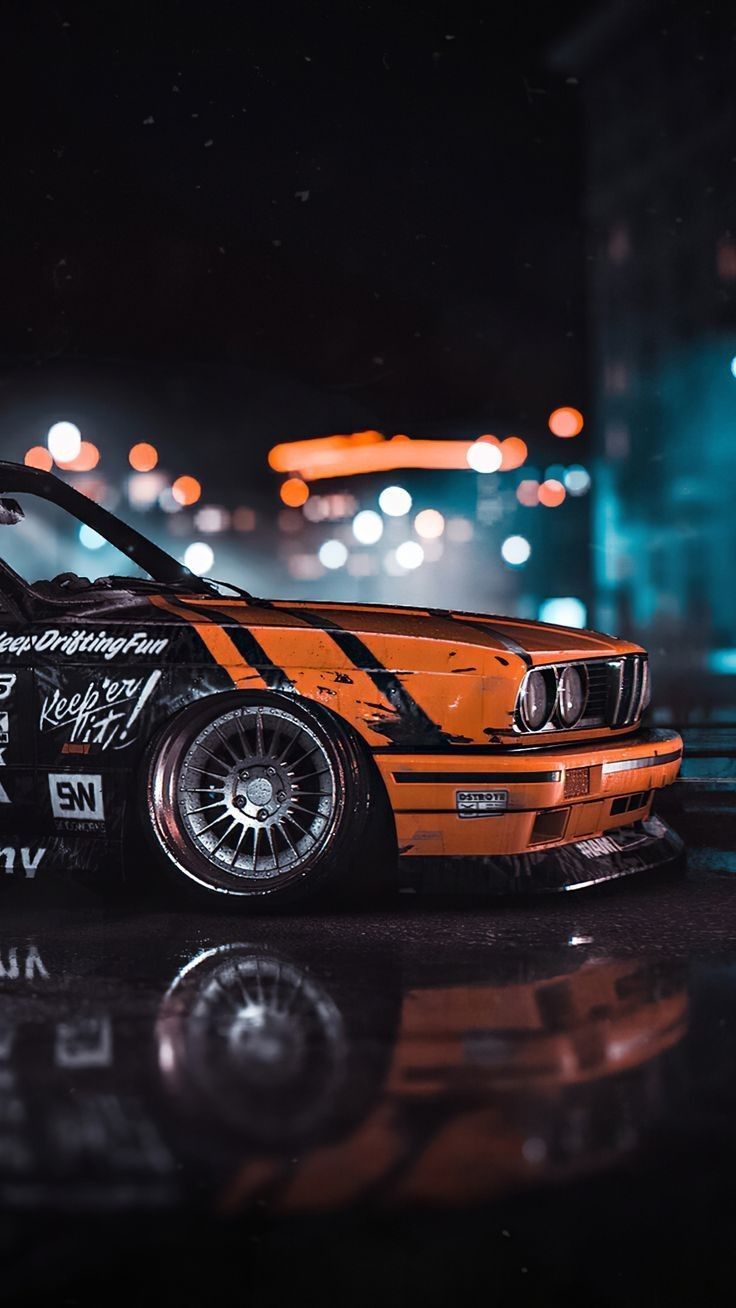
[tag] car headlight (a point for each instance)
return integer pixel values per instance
(572, 694)
(537, 699)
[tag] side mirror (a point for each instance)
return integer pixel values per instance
(10, 513)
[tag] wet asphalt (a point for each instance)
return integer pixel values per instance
(428, 1102)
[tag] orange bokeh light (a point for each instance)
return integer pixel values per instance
(39, 457)
(186, 490)
(86, 460)
(143, 457)
(551, 493)
(368, 452)
(513, 453)
(566, 422)
(294, 492)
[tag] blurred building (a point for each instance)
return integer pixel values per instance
(657, 85)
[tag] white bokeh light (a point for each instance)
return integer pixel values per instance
(409, 554)
(577, 480)
(199, 557)
(395, 501)
(564, 611)
(91, 539)
(368, 526)
(429, 524)
(484, 457)
(516, 550)
(64, 441)
(333, 554)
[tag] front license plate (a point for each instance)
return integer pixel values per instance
(480, 803)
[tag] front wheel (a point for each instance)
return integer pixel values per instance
(265, 799)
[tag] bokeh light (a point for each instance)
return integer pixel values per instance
(577, 479)
(333, 554)
(368, 526)
(566, 422)
(409, 554)
(484, 455)
(199, 557)
(144, 488)
(551, 493)
(564, 611)
(91, 539)
(527, 493)
(294, 492)
(143, 457)
(87, 459)
(211, 519)
(186, 490)
(64, 440)
(395, 501)
(429, 524)
(733, 366)
(39, 457)
(516, 551)
(513, 453)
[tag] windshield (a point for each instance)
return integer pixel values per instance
(49, 542)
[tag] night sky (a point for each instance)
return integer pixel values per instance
(379, 202)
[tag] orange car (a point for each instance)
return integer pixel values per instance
(268, 750)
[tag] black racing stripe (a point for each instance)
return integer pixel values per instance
(473, 778)
(412, 714)
(247, 645)
(488, 630)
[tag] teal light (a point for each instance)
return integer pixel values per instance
(733, 366)
(722, 662)
(564, 611)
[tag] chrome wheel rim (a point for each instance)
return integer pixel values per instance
(256, 794)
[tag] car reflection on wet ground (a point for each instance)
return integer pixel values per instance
(415, 1104)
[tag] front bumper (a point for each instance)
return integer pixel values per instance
(638, 848)
(548, 798)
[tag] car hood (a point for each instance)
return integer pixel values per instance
(485, 635)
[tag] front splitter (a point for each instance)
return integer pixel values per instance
(623, 852)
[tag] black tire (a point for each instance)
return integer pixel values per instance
(289, 805)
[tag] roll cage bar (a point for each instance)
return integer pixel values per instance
(16, 477)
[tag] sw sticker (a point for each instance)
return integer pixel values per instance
(77, 795)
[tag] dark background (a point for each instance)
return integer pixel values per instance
(231, 225)
(380, 200)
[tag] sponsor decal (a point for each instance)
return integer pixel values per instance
(597, 847)
(80, 641)
(4, 729)
(480, 803)
(102, 713)
(29, 862)
(7, 682)
(77, 795)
